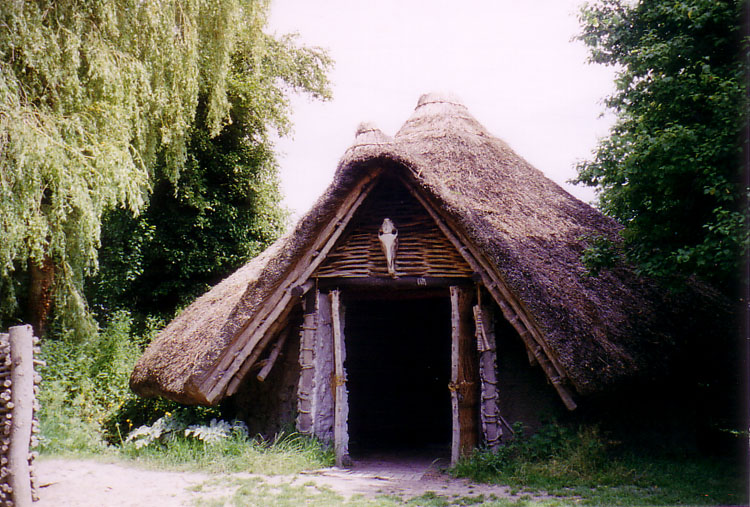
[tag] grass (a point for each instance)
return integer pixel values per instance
(287, 454)
(584, 466)
(256, 491)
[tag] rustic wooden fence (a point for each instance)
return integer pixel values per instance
(19, 426)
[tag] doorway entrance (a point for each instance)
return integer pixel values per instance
(398, 363)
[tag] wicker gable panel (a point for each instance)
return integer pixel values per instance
(423, 250)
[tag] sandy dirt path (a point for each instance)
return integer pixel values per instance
(65, 482)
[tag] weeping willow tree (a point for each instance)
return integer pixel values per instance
(225, 206)
(93, 95)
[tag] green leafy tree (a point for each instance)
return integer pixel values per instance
(670, 169)
(224, 211)
(93, 97)
(224, 208)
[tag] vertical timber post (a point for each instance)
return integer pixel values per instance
(456, 431)
(341, 410)
(484, 324)
(323, 395)
(22, 398)
(464, 374)
(306, 363)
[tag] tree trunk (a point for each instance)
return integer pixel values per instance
(40, 294)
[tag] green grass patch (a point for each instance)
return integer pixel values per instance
(287, 454)
(432, 499)
(582, 464)
(255, 491)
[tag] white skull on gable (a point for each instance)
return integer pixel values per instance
(388, 236)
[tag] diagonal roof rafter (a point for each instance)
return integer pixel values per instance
(508, 303)
(260, 329)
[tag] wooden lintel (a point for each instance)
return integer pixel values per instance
(404, 282)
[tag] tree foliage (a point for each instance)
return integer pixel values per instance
(224, 207)
(670, 169)
(98, 106)
(223, 211)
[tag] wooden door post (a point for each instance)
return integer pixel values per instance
(341, 401)
(464, 374)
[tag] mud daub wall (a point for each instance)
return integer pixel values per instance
(524, 393)
(270, 406)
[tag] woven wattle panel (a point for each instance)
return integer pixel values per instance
(423, 250)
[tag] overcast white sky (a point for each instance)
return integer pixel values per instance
(512, 63)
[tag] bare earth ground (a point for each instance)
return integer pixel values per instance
(65, 482)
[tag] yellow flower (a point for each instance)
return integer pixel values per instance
(168, 414)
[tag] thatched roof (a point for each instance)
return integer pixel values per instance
(595, 332)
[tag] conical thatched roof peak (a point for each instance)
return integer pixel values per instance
(440, 98)
(368, 134)
(366, 128)
(441, 114)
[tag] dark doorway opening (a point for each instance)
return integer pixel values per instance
(398, 357)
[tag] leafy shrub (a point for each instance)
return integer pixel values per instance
(134, 411)
(555, 455)
(64, 422)
(169, 427)
(164, 430)
(216, 430)
(600, 253)
(84, 381)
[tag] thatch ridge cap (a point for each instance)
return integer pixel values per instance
(440, 98)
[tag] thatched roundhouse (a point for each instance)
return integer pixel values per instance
(434, 293)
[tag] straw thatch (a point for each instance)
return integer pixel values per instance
(597, 331)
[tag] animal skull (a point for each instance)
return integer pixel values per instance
(388, 236)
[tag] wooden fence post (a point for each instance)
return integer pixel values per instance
(22, 409)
